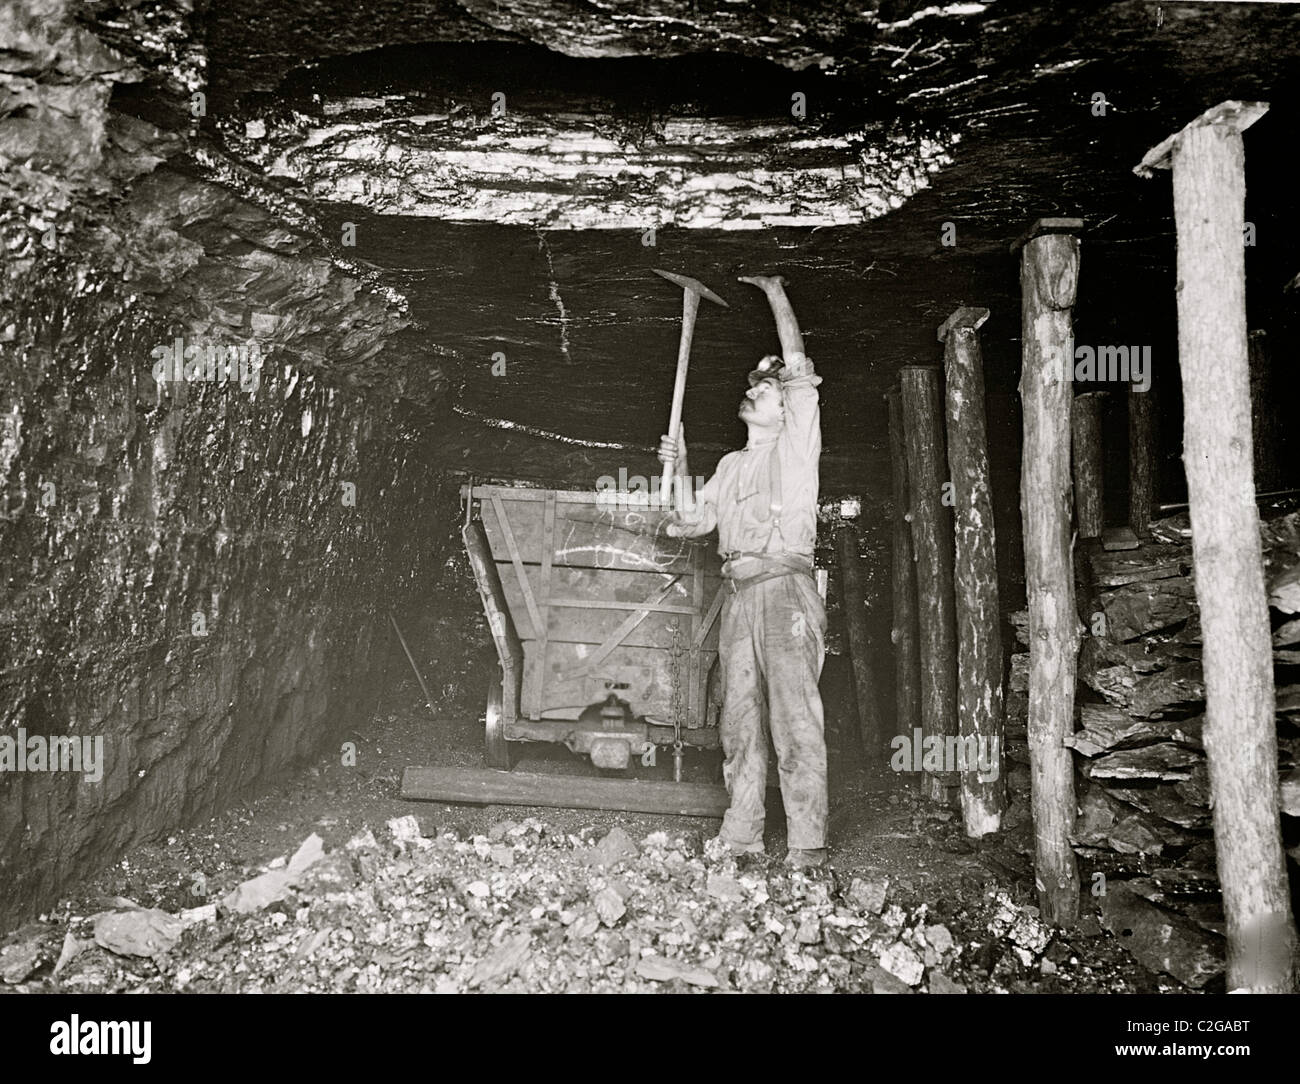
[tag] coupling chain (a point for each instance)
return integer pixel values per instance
(678, 651)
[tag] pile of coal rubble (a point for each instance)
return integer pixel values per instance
(527, 908)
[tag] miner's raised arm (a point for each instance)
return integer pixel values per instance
(802, 430)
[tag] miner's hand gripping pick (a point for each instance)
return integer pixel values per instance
(763, 502)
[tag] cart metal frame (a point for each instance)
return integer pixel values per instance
(586, 595)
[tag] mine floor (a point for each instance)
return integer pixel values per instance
(484, 898)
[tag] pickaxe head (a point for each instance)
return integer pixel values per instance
(695, 285)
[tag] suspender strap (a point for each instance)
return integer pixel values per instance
(770, 563)
(775, 506)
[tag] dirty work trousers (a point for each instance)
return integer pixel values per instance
(771, 647)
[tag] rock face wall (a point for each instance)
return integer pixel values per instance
(197, 562)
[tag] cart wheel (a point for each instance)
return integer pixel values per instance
(496, 750)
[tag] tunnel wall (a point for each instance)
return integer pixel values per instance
(197, 572)
(186, 576)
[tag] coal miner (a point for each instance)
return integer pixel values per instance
(763, 502)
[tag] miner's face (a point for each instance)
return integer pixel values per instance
(763, 404)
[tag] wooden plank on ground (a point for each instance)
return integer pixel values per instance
(482, 786)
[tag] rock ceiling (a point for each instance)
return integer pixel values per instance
(615, 117)
(746, 116)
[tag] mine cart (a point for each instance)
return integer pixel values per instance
(606, 628)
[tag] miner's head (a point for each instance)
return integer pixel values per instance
(763, 407)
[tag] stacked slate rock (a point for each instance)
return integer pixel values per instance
(1142, 784)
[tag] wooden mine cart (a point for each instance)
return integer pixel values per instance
(606, 628)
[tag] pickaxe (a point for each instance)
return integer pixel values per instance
(692, 291)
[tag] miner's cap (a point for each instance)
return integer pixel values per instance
(768, 369)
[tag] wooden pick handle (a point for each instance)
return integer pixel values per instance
(690, 306)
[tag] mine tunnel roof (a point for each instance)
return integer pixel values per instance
(930, 136)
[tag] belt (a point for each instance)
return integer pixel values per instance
(779, 566)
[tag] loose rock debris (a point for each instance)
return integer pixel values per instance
(400, 911)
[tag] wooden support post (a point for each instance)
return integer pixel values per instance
(1266, 421)
(932, 540)
(1085, 452)
(855, 622)
(903, 634)
(1141, 459)
(1208, 162)
(1049, 273)
(1089, 500)
(978, 621)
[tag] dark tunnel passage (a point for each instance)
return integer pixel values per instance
(266, 311)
